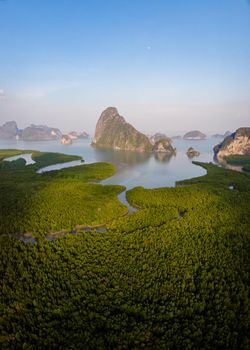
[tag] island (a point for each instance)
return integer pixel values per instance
(164, 146)
(40, 133)
(220, 136)
(194, 135)
(238, 143)
(112, 131)
(83, 135)
(157, 137)
(66, 140)
(74, 135)
(191, 152)
(9, 130)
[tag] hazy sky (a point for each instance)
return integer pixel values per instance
(167, 65)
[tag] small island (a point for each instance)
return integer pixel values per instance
(66, 140)
(194, 135)
(220, 136)
(74, 135)
(157, 137)
(191, 152)
(164, 146)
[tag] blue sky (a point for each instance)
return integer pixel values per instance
(167, 65)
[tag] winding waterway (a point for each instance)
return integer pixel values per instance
(133, 169)
(59, 166)
(26, 156)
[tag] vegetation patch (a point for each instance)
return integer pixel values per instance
(153, 280)
(57, 200)
(244, 161)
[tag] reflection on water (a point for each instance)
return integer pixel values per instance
(163, 157)
(121, 158)
(222, 162)
(133, 169)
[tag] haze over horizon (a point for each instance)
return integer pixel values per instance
(168, 66)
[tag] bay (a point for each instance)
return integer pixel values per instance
(133, 169)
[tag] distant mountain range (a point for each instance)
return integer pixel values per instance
(33, 132)
(39, 133)
(112, 131)
(219, 136)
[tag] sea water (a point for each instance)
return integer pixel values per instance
(133, 169)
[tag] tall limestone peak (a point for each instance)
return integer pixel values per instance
(112, 131)
(111, 113)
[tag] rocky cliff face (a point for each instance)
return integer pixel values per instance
(163, 146)
(112, 131)
(191, 152)
(157, 137)
(8, 130)
(66, 140)
(40, 133)
(237, 143)
(194, 135)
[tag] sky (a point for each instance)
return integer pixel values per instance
(167, 65)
